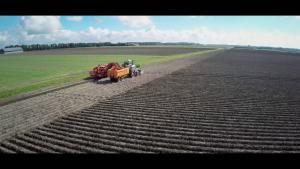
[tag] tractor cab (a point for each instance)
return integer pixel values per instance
(134, 70)
(128, 63)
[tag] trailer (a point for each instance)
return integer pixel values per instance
(117, 74)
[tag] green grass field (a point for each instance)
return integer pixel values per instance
(22, 74)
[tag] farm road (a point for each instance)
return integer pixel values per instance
(29, 113)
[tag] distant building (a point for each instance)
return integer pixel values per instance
(13, 50)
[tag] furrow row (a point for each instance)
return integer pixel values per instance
(177, 140)
(177, 123)
(194, 116)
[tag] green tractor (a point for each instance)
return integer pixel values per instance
(134, 69)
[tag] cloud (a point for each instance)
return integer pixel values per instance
(136, 21)
(3, 37)
(6, 39)
(40, 24)
(199, 35)
(60, 36)
(74, 18)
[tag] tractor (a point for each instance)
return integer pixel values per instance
(134, 70)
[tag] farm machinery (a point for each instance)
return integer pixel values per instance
(116, 72)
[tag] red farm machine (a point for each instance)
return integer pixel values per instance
(114, 71)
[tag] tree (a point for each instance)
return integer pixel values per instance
(33, 47)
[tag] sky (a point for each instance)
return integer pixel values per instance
(274, 31)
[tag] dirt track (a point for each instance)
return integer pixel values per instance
(158, 51)
(236, 101)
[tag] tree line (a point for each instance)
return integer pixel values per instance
(33, 47)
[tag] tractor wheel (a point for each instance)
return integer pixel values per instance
(113, 79)
(130, 75)
(139, 72)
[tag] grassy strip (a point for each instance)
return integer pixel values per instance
(41, 85)
(60, 73)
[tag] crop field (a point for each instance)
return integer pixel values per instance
(29, 71)
(154, 51)
(237, 101)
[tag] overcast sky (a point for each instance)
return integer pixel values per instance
(277, 31)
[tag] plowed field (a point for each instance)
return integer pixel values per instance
(236, 101)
